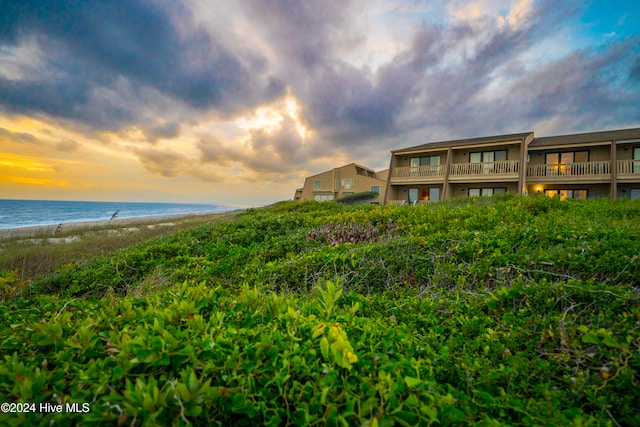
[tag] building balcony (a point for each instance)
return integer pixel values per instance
(418, 174)
(628, 170)
(505, 170)
(580, 172)
(508, 170)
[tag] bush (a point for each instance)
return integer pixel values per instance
(354, 199)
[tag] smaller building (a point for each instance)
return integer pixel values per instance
(343, 181)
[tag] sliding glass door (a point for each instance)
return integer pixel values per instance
(565, 163)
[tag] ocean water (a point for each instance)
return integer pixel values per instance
(26, 213)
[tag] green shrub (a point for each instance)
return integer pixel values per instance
(354, 199)
(518, 311)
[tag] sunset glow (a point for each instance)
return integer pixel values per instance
(181, 102)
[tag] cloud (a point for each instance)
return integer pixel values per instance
(20, 137)
(67, 145)
(163, 161)
(272, 152)
(592, 90)
(307, 34)
(167, 130)
(94, 47)
(195, 90)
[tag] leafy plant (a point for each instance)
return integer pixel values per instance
(356, 198)
(519, 311)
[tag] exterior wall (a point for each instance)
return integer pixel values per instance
(610, 169)
(625, 151)
(404, 160)
(395, 192)
(450, 177)
(358, 183)
(383, 175)
(598, 154)
(309, 191)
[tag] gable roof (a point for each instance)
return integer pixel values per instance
(463, 142)
(353, 164)
(582, 138)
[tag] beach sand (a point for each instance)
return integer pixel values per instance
(69, 231)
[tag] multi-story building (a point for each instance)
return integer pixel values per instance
(573, 166)
(343, 181)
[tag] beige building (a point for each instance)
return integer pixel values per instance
(343, 181)
(573, 166)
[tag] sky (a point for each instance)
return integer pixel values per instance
(235, 103)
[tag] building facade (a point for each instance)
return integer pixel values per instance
(343, 181)
(583, 165)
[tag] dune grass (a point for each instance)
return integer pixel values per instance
(38, 251)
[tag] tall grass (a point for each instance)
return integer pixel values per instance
(40, 251)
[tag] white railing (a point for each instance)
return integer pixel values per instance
(504, 167)
(418, 171)
(396, 202)
(628, 167)
(601, 168)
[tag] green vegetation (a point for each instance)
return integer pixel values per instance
(42, 250)
(518, 311)
(354, 199)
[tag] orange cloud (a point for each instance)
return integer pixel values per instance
(14, 161)
(30, 181)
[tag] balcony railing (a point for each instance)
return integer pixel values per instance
(504, 167)
(581, 169)
(418, 171)
(593, 171)
(629, 167)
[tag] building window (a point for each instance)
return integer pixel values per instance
(487, 192)
(336, 185)
(636, 160)
(413, 195)
(568, 194)
(635, 193)
(425, 166)
(323, 197)
(488, 156)
(375, 189)
(563, 163)
(348, 184)
(423, 194)
(425, 161)
(317, 184)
